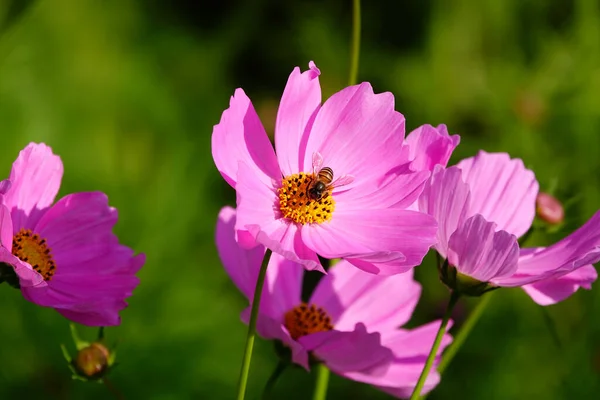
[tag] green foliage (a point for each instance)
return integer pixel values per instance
(127, 93)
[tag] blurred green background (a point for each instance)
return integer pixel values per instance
(127, 93)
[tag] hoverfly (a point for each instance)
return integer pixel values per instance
(323, 179)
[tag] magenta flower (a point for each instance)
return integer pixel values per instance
(340, 182)
(350, 323)
(482, 206)
(64, 254)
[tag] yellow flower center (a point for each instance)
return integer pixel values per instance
(305, 319)
(31, 248)
(296, 204)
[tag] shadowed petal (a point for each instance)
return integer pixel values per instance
(241, 265)
(27, 276)
(351, 295)
(502, 190)
(34, 182)
(447, 198)
(240, 137)
(76, 221)
(103, 314)
(410, 349)
(347, 351)
(283, 285)
(476, 250)
(297, 110)
(271, 328)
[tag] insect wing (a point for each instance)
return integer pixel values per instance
(317, 162)
(342, 181)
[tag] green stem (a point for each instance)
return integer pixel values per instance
(454, 296)
(322, 382)
(551, 327)
(464, 331)
(243, 381)
(355, 48)
(281, 366)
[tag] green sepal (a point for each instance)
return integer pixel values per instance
(79, 344)
(463, 284)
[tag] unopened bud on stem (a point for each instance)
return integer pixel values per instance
(549, 209)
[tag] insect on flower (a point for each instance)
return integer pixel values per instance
(323, 179)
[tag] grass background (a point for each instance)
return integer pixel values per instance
(127, 93)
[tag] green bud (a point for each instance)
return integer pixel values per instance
(93, 360)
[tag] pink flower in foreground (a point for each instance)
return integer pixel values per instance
(482, 206)
(64, 254)
(340, 182)
(350, 322)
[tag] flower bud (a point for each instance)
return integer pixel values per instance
(549, 209)
(92, 361)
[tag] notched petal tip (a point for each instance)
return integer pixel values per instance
(313, 71)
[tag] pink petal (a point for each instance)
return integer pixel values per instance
(283, 286)
(6, 228)
(271, 328)
(27, 276)
(554, 290)
(75, 221)
(502, 190)
(283, 282)
(406, 377)
(351, 295)
(398, 188)
(577, 250)
(258, 215)
(240, 137)
(358, 133)
(103, 315)
(297, 110)
(347, 351)
(385, 242)
(416, 342)
(476, 250)
(447, 198)
(410, 348)
(241, 265)
(431, 146)
(4, 186)
(35, 179)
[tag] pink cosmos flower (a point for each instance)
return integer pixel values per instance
(340, 181)
(64, 254)
(482, 206)
(350, 322)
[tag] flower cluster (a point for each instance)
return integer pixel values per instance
(62, 254)
(343, 182)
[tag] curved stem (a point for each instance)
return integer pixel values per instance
(454, 296)
(464, 331)
(355, 48)
(111, 388)
(281, 366)
(243, 381)
(322, 382)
